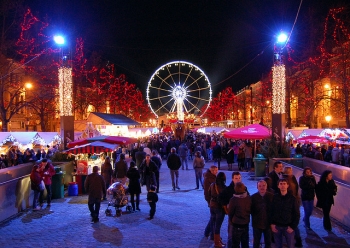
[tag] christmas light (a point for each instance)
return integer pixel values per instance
(278, 89)
(65, 91)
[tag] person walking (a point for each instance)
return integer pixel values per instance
(217, 154)
(148, 171)
(326, 189)
(95, 186)
(120, 170)
(183, 152)
(158, 161)
(174, 164)
(248, 156)
(140, 156)
(216, 208)
(261, 211)
(209, 178)
(230, 155)
(152, 199)
(239, 215)
(198, 165)
(134, 186)
(46, 172)
(284, 215)
(240, 158)
(35, 180)
(307, 184)
(107, 172)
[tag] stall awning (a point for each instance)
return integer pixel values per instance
(49, 137)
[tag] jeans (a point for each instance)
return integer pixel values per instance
(153, 209)
(308, 207)
(209, 228)
(282, 231)
(48, 196)
(235, 158)
(218, 160)
(229, 234)
(248, 163)
(240, 235)
(198, 177)
(174, 178)
(132, 200)
(94, 207)
(257, 233)
(217, 216)
(36, 197)
(184, 162)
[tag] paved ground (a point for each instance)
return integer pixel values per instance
(179, 222)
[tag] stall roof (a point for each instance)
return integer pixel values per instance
(23, 137)
(48, 137)
(294, 133)
(111, 119)
(308, 132)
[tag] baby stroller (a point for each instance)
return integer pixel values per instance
(118, 198)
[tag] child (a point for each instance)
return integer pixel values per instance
(152, 198)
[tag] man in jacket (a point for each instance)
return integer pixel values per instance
(46, 170)
(217, 154)
(285, 215)
(276, 174)
(209, 178)
(261, 211)
(239, 214)
(95, 186)
(148, 170)
(120, 170)
(158, 161)
(183, 150)
(139, 157)
(174, 164)
(225, 198)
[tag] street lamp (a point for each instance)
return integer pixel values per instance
(279, 88)
(328, 119)
(65, 89)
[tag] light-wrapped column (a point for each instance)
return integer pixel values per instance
(65, 91)
(278, 89)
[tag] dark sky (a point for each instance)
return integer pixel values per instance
(220, 37)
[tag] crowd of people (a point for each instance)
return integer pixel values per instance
(273, 209)
(15, 157)
(338, 154)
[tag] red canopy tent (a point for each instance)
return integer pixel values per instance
(107, 139)
(312, 139)
(94, 147)
(253, 131)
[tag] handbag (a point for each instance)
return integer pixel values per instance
(42, 185)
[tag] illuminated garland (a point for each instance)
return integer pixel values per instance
(65, 91)
(278, 89)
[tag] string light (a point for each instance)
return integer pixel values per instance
(278, 89)
(65, 91)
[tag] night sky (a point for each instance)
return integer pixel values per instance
(220, 37)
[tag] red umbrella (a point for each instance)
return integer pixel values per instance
(253, 131)
(167, 129)
(77, 143)
(312, 139)
(120, 140)
(94, 147)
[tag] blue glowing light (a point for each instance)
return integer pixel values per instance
(282, 38)
(58, 39)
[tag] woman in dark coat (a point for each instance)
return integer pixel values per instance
(216, 208)
(325, 190)
(307, 183)
(134, 185)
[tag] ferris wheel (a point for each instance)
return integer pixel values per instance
(179, 87)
